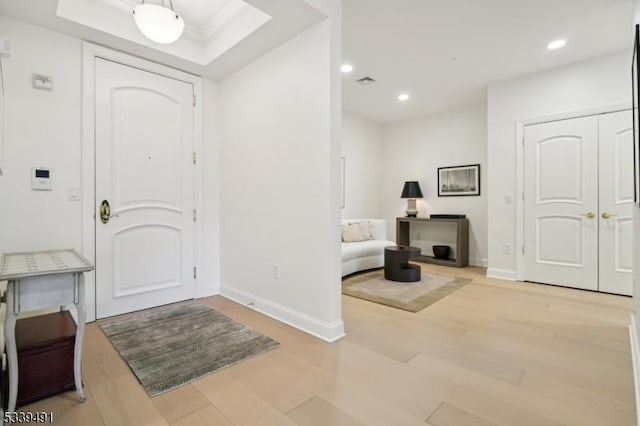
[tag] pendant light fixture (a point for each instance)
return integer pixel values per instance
(158, 22)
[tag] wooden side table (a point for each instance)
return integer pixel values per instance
(42, 280)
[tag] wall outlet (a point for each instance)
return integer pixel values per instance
(275, 271)
(506, 249)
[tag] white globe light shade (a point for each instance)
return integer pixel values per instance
(158, 23)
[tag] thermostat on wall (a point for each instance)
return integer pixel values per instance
(41, 179)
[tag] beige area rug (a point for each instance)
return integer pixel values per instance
(411, 297)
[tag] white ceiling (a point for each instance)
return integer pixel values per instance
(220, 36)
(198, 12)
(204, 19)
(445, 53)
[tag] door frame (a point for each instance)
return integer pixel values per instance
(90, 52)
(519, 142)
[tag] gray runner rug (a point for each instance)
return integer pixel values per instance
(168, 348)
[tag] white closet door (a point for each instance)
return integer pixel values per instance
(616, 201)
(561, 203)
(144, 144)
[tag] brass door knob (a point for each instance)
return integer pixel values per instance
(588, 215)
(607, 215)
(105, 211)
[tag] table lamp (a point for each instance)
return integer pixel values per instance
(411, 191)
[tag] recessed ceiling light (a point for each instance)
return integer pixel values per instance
(346, 68)
(403, 97)
(556, 44)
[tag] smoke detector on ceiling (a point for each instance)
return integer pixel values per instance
(365, 81)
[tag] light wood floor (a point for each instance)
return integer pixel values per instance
(493, 352)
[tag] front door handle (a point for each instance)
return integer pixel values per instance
(105, 211)
(588, 215)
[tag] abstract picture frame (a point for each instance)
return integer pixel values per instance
(459, 181)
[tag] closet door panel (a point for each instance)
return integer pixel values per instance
(561, 203)
(616, 201)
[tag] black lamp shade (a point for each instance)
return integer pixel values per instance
(411, 190)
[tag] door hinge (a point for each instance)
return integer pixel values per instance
(194, 99)
(195, 272)
(195, 157)
(522, 249)
(194, 215)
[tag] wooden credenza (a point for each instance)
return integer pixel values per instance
(403, 226)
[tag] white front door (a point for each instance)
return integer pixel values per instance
(616, 201)
(143, 148)
(561, 203)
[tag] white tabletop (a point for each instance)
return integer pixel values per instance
(19, 265)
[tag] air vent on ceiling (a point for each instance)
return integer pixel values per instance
(365, 81)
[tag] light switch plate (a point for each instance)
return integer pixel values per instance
(74, 193)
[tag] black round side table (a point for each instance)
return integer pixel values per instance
(396, 264)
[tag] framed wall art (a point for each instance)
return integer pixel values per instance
(459, 181)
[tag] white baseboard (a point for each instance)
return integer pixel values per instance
(635, 360)
(479, 261)
(502, 274)
(207, 291)
(329, 332)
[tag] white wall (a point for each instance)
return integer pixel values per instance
(361, 148)
(591, 84)
(209, 258)
(635, 325)
(280, 177)
(634, 322)
(413, 150)
(44, 129)
(636, 219)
